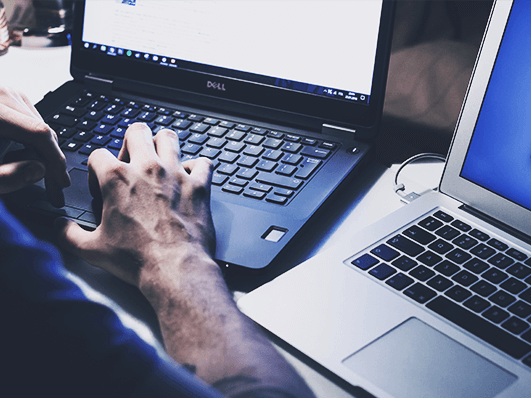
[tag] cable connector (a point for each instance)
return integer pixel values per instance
(409, 197)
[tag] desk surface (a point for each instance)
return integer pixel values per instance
(38, 71)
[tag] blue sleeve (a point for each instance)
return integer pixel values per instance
(56, 342)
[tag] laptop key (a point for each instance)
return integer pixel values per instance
(495, 314)
(515, 325)
(419, 235)
(420, 293)
(399, 281)
(385, 252)
(365, 261)
(430, 223)
(439, 283)
(503, 299)
(519, 270)
(404, 263)
(476, 304)
(479, 327)
(407, 246)
(280, 181)
(382, 271)
(307, 167)
(483, 288)
(458, 293)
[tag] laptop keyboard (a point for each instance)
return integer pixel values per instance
(461, 273)
(249, 161)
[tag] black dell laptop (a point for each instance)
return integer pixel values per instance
(285, 97)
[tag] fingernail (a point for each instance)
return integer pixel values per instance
(33, 172)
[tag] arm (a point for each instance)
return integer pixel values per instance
(157, 233)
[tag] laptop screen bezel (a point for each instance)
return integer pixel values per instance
(452, 182)
(326, 110)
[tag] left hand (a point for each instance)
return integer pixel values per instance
(20, 122)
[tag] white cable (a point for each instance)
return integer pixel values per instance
(400, 188)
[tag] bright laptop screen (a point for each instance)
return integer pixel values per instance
(499, 156)
(325, 47)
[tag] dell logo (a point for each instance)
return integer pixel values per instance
(217, 86)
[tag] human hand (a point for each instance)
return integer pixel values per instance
(155, 210)
(20, 122)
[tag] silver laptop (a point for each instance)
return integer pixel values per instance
(435, 299)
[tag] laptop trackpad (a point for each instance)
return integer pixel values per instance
(78, 194)
(414, 360)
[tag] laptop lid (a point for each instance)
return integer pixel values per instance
(312, 63)
(488, 168)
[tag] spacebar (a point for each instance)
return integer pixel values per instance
(479, 327)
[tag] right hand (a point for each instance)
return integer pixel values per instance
(154, 211)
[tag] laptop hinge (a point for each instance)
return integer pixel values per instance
(341, 132)
(98, 84)
(504, 227)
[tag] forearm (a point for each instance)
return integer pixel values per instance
(203, 329)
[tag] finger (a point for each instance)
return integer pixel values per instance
(168, 149)
(76, 240)
(30, 106)
(200, 170)
(138, 144)
(17, 175)
(102, 166)
(34, 132)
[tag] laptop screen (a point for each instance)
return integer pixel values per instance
(304, 46)
(499, 155)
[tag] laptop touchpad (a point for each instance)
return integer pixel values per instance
(415, 360)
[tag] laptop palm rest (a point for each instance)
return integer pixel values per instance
(427, 363)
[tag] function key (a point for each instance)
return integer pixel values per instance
(327, 145)
(461, 225)
(243, 127)
(479, 235)
(149, 108)
(196, 118)
(226, 124)
(275, 134)
(164, 111)
(497, 244)
(259, 131)
(292, 138)
(309, 141)
(443, 216)
(211, 121)
(133, 104)
(179, 114)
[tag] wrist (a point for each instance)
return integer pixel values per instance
(172, 273)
